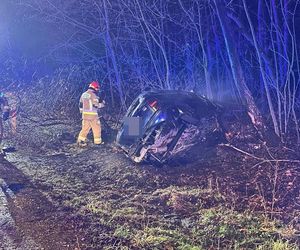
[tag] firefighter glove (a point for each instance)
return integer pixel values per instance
(101, 104)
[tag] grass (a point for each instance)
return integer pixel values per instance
(213, 228)
(277, 245)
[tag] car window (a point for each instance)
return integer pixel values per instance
(145, 113)
(133, 107)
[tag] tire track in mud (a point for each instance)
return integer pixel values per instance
(27, 219)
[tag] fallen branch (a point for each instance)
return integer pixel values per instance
(263, 160)
(241, 151)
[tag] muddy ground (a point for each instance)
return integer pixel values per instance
(241, 195)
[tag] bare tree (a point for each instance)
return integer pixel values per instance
(270, 102)
(236, 68)
(213, 47)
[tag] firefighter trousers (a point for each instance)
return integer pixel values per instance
(87, 125)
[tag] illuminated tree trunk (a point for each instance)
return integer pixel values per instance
(159, 43)
(198, 28)
(263, 73)
(112, 55)
(236, 68)
(278, 43)
(261, 36)
(151, 55)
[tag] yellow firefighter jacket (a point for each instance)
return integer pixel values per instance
(89, 105)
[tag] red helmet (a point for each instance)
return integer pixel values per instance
(94, 85)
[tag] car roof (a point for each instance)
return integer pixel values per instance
(188, 102)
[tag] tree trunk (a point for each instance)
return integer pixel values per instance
(198, 28)
(159, 44)
(113, 56)
(236, 68)
(263, 74)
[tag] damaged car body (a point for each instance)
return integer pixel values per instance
(160, 125)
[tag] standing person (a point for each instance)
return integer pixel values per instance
(4, 110)
(89, 105)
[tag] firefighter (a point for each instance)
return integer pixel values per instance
(89, 105)
(4, 110)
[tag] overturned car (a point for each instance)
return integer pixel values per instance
(167, 124)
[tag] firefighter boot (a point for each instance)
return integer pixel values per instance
(81, 144)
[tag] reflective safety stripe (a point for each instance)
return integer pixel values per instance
(89, 113)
